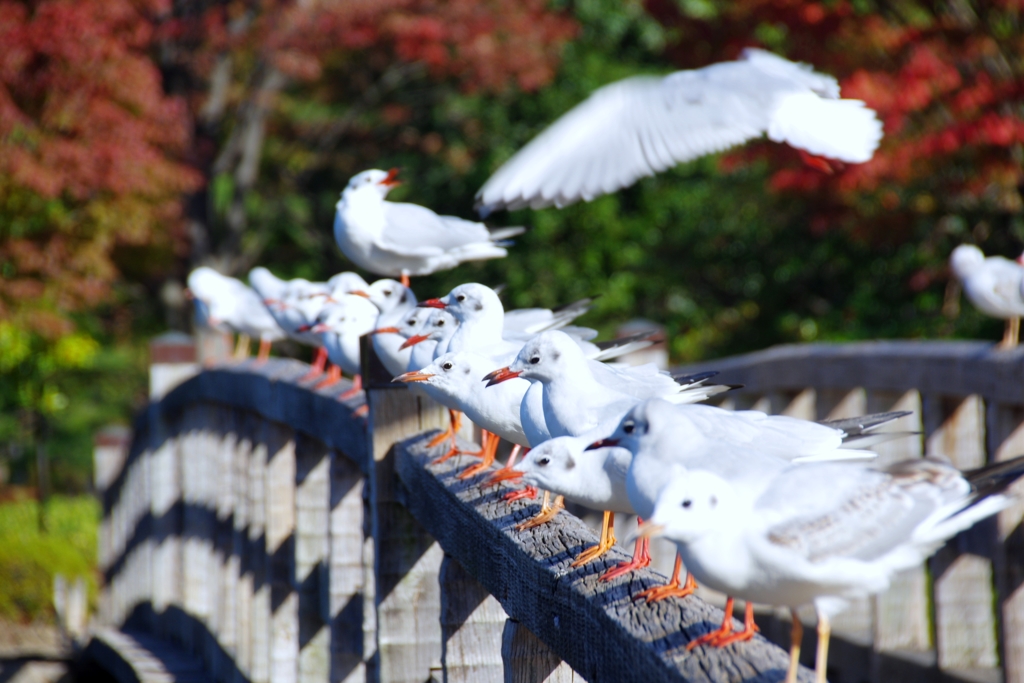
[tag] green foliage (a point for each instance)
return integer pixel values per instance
(29, 559)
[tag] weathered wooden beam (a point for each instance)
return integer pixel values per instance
(472, 622)
(595, 627)
(952, 368)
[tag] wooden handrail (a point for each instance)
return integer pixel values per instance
(276, 534)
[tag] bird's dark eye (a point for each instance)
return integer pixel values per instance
(628, 427)
(543, 461)
(534, 360)
(460, 297)
(440, 323)
(447, 366)
(687, 503)
(387, 292)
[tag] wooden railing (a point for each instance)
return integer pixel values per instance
(276, 535)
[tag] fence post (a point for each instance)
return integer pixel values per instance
(472, 621)
(901, 612)
(312, 493)
(965, 624)
(1005, 429)
(280, 535)
(527, 659)
(256, 553)
(346, 571)
(406, 559)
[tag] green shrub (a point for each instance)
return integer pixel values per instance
(30, 558)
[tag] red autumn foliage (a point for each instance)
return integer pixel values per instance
(87, 153)
(945, 79)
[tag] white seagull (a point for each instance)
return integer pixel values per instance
(995, 285)
(224, 302)
(821, 534)
(398, 239)
(643, 125)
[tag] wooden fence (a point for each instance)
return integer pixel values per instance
(274, 534)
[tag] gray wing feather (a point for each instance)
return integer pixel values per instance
(416, 230)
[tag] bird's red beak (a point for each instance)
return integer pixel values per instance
(414, 376)
(1020, 260)
(413, 341)
(188, 294)
(432, 303)
(303, 328)
(603, 443)
(359, 292)
(499, 376)
(385, 330)
(389, 180)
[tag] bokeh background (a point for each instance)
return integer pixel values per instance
(141, 138)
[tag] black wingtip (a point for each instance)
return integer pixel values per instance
(997, 477)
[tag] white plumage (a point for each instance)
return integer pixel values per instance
(395, 239)
(643, 125)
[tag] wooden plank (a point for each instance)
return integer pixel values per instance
(347, 573)
(526, 659)
(280, 534)
(902, 620)
(954, 368)
(596, 627)
(472, 622)
(1005, 429)
(406, 558)
(256, 553)
(312, 520)
(965, 622)
(240, 519)
(166, 510)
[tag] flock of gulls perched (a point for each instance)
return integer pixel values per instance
(765, 508)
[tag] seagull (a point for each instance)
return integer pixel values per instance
(821, 534)
(580, 396)
(643, 125)
(995, 285)
(340, 325)
(296, 304)
(224, 302)
(395, 302)
(398, 240)
(594, 478)
(662, 437)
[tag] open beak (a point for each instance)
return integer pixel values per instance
(390, 181)
(359, 292)
(414, 376)
(412, 341)
(432, 303)
(499, 376)
(304, 328)
(385, 330)
(603, 443)
(647, 530)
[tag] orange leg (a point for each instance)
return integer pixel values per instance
(641, 559)
(724, 635)
(749, 629)
(546, 514)
(722, 631)
(489, 450)
(405, 278)
(333, 377)
(672, 588)
(317, 368)
(604, 545)
(506, 473)
(527, 492)
(357, 388)
(455, 424)
(361, 411)
(264, 353)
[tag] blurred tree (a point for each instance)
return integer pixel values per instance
(89, 165)
(300, 78)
